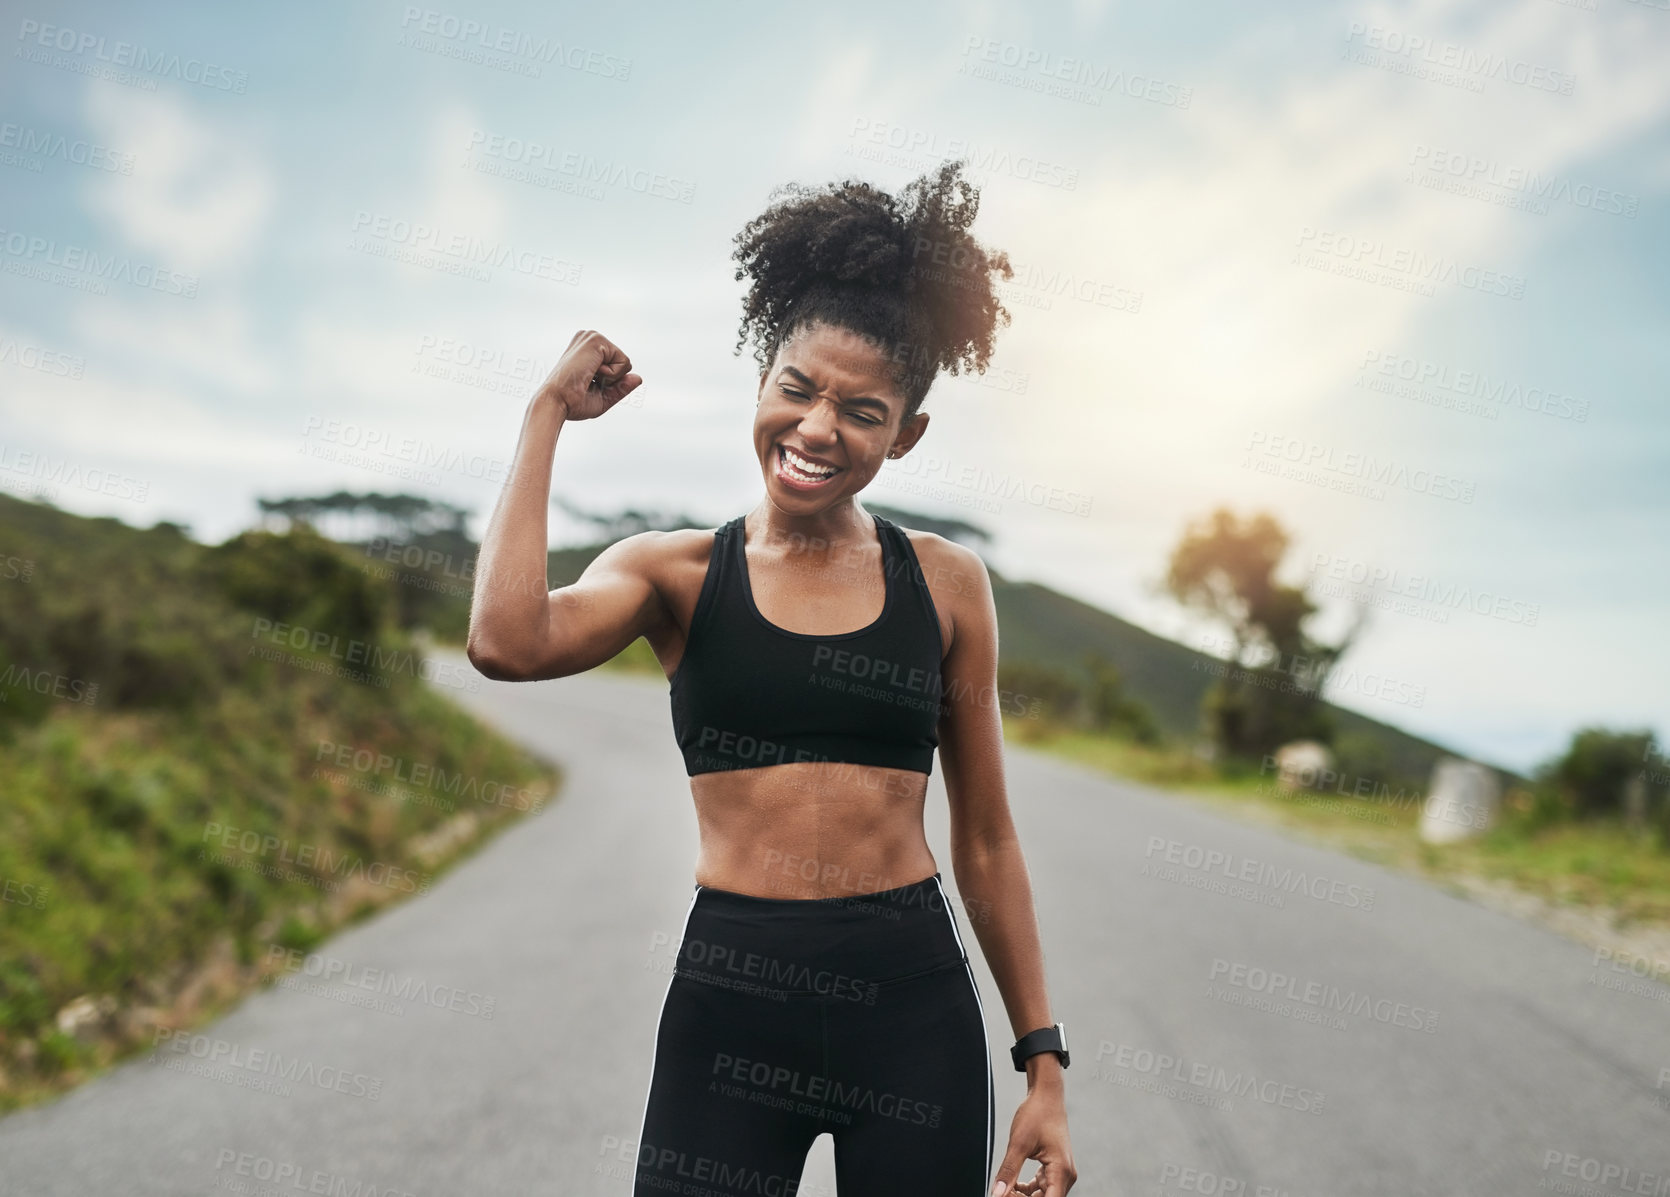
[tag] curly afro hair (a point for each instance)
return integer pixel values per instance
(903, 273)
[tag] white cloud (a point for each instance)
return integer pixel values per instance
(1231, 333)
(460, 198)
(199, 195)
(216, 342)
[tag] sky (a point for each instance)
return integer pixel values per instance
(1394, 274)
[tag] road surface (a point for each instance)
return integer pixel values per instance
(1243, 1011)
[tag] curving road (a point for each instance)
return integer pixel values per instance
(1248, 1015)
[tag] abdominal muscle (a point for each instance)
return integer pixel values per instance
(811, 830)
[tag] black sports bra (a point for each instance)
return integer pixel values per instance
(748, 693)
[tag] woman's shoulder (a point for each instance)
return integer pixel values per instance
(664, 555)
(945, 560)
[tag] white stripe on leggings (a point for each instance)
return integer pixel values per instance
(657, 1032)
(986, 1051)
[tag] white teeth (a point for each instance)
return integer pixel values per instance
(802, 466)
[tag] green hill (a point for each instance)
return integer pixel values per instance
(1043, 627)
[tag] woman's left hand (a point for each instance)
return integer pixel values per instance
(1038, 1132)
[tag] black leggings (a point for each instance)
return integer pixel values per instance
(787, 1018)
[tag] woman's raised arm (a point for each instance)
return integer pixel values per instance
(520, 630)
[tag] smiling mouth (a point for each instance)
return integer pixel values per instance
(804, 473)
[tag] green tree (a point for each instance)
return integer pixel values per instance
(1110, 709)
(1225, 568)
(1596, 773)
(301, 578)
(1052, 694)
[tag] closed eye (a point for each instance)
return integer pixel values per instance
(859, 416)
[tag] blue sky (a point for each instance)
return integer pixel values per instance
(1393, 273)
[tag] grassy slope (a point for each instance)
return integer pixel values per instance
(116, 889)
(1596, 866)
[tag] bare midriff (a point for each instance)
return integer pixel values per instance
(805, 829)
(811, 830)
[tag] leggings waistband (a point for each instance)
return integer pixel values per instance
(843, 948)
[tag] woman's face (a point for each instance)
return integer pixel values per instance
(829, 414)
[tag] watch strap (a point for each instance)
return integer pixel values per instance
(1044, 1039)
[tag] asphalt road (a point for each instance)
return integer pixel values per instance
(1422, 1045)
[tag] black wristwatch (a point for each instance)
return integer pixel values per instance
(1046, 1039)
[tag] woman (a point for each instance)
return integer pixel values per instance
(818, 655)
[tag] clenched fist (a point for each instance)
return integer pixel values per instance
(592, 376)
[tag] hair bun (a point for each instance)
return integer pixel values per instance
(850, 254)
(866, 248)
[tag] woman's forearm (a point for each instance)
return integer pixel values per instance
(997, 898)
(510, 607)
